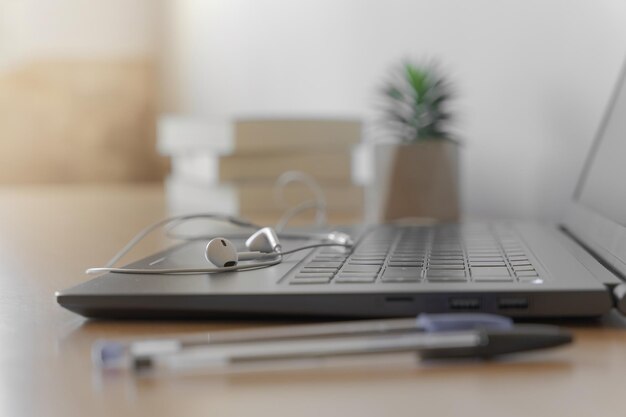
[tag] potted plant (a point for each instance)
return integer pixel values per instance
(416, 170)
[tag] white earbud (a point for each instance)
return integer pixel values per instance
(263, 240)
(222, 253)
(340, 238)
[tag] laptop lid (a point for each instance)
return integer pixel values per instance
(597, 214)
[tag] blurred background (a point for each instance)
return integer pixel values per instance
(84, 83)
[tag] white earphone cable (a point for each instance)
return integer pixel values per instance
(177, 219)
(316, 245)
(187, 271)
(277, 258)
(318, 203)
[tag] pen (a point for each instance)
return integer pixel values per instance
(115, 354)
(455, 344)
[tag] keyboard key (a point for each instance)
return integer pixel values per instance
(400, 278)
(361, 268)
(394, 259)
(327, 264)
(447, 255)
(329, 258)
(446, 262)
(406, 257)
(377, 244)
(368, 258)
(307, 270)
(485, 259)
(499, 278)
(405, 263)
(446, 267)
(333, 251)
(314, 275)
(520, 263)
(441, 273)
(406, 274)
(489, 264)
(439, 261)
(446, 278)
(347, 278)
(530, 280)
(312, 280)
(526, 273)
(365, 262)
(371, 252)
(517, 258)
(413, 271)
(523, 268)
(478, 272)
(472, 253)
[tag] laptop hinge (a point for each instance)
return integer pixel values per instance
(600, 269)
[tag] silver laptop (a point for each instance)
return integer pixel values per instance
(572, 269)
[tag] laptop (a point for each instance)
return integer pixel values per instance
(519, 269)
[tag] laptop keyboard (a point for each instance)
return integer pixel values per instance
(436, 254)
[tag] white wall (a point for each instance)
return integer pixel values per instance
(533, 75)
(66, 29)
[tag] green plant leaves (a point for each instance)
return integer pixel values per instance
(415, 101)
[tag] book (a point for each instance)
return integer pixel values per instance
(288, 135)
(178, 134)
(323, 166)
(307, 219)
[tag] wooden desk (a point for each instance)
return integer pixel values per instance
(48, 236)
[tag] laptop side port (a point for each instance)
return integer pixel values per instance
(464, 303)
(399, 299)
(513, 303)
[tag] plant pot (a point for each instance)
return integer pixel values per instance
(415, 181)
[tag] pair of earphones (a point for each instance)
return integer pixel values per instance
(263, 248)
(263, 243)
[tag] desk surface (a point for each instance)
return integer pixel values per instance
(48, 236)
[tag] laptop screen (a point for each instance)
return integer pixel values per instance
(603, 185)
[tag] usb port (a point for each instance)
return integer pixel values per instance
(464, 303)
(513, 303)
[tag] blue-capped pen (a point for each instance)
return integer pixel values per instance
(116, 354)
(305, 352)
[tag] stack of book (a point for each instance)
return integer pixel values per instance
(232, 167)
